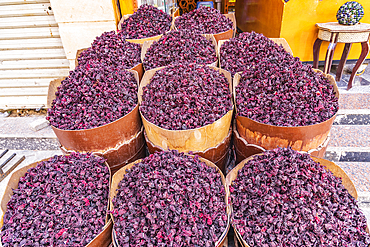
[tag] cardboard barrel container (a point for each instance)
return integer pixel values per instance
(122, 154)
(120, 141)
(103, 239)
(211, 139)
(223, 35)
(118, 176)
(301, 138)
(243, 149)
(147, 45)
(321, 149)
(219, 155)
(330, 166)
(229, 33)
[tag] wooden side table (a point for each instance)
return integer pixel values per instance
(337, 33)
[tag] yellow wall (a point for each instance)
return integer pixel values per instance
(298, 26)
(127, 6)
(295, 21)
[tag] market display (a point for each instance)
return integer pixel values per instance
(147, 21)
(350, 13)
(180, 46)
(170, 199)
(284, 198)
(279, 198)
(204, 20)
(275, 88)
(61, 202)
(186, 96)
(285, 92)
(111, 49)
(249, 49)
(93, 95)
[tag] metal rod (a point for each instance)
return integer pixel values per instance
(12, 168)
(6, 162)
(3, 153)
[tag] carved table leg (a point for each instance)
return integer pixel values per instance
(347, 48)
(330, 52)
(316, 52)
(364, 52)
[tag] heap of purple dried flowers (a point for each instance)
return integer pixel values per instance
(248, 49)
(284, 198)
(204, 20)
(285, 96)
(93, 95)
(180, 46)
(147, 21)
(275, 88)
(186, 96)
(170, 199)
(111, 49)
(60, 202)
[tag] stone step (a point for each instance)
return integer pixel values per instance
(355, 100)
(364, 199)
(32, 144)
(18, 127)
(350, 136)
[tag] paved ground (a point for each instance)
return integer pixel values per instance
(349, 145)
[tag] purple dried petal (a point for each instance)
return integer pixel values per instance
(204, 20)
(146, 215)
(186, 96)
(147, 21)
(93, 95)
(180, 46)
(275, 88)
(286, 198)
(47, 208)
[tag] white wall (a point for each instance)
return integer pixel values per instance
(80, 21)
